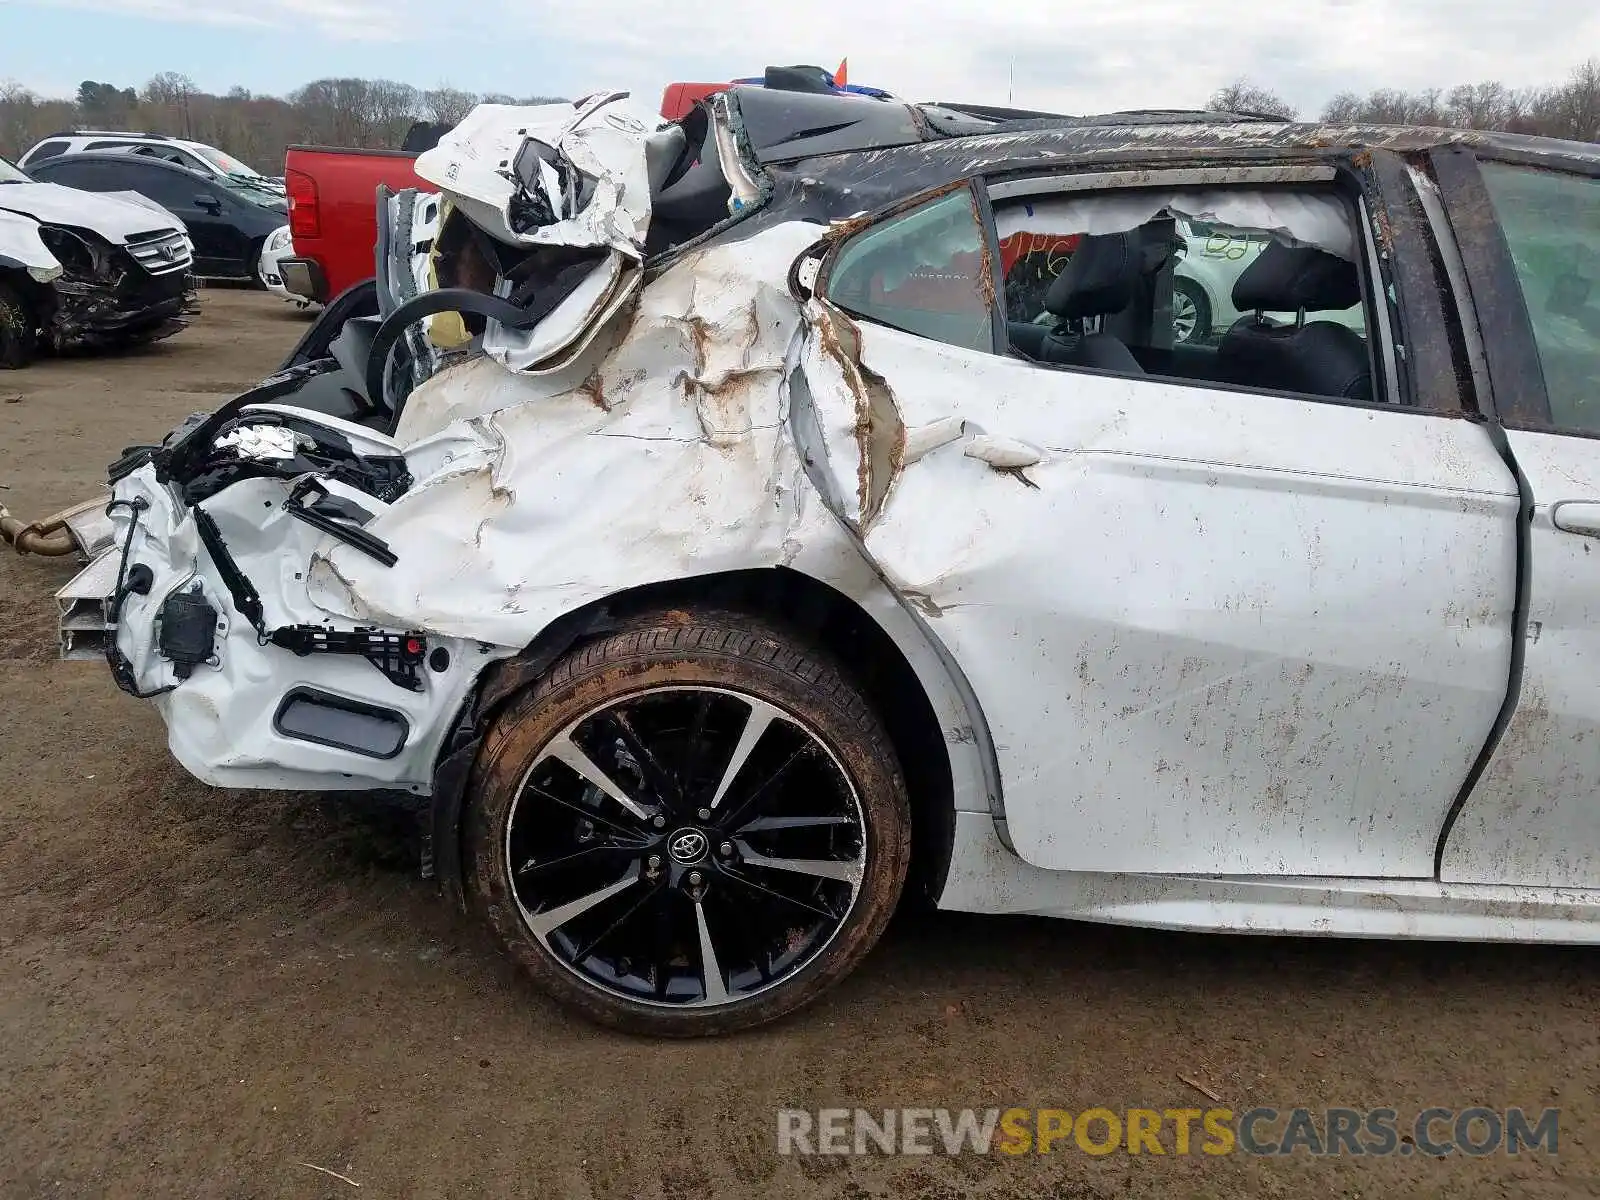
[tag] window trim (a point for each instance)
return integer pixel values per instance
(894, 212)
(1040, 183)
(1516, 396)
(1388, 378)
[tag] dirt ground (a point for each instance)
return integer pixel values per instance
(202, 992)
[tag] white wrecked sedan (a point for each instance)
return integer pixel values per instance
(87, 268)
(711, 530)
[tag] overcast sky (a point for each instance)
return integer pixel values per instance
(1062, 55)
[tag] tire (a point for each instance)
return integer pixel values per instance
(672, 698)
(1186, 290)
(18, 329)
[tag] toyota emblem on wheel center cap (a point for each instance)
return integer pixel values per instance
(688, 846)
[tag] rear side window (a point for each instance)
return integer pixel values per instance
(46, 150)
(71, 172)
(1552, 224)
(922, 272)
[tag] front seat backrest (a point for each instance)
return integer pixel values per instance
(1099, 279)
(1318, 358)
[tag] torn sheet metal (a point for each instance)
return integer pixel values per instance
(558, 177)
(672, 444)
(551, 174)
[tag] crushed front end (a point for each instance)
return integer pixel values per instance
(113, 294)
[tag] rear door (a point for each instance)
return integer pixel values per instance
(1213, 629)
(1529, 238)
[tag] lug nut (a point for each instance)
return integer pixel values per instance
(725, 849)
(705, 814)
(659, 822)
(654, 862)
(695, 878)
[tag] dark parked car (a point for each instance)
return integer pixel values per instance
(228, 222)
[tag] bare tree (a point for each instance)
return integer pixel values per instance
(1576, 105)
(448, 105)
(375, 113)
(17, 105)
(1242, 96)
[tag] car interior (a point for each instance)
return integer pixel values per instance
(1104, 312)
(1081, 293)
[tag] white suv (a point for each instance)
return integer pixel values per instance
(197, 156)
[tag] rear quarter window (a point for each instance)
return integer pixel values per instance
(46, 150)
(1552, 226)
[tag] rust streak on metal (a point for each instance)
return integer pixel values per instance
(594, 387)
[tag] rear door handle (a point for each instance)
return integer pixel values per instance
(1577, 516)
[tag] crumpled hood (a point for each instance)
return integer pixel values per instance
(52, 204)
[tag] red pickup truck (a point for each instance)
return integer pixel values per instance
(333, 214)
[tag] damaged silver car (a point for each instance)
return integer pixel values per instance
(729, 525)
(85, 268)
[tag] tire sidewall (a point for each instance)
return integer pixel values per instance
(1202, 310)
(17, 337)
(849, 730)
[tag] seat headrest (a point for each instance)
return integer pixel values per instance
(1098, 279)
(1292, 278)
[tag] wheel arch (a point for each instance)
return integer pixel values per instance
(938, 766)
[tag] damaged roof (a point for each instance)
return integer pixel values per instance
(834, 157)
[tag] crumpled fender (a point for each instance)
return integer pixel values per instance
(22, 248)
(663, 454)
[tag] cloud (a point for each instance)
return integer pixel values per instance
(1139, 53)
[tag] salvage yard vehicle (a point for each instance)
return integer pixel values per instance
(77, 268)
(279, 245)
(754, 561)
(228, 222)
(197, 156)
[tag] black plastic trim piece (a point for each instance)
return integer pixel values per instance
(1517, 391)
(1519, 642)
(243, 593)
(316, 698)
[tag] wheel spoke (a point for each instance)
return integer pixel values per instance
(845, 871)
(757, 793)
(545, 923)
(586, 813)
(773, 824)
(657, 776)
(690, 761)
(588, 948)
(746, 882)
(533, 867)
(661, 941)
(563, 749)
(710, 969)
(761, 716)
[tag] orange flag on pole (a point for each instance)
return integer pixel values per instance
(841, 76)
